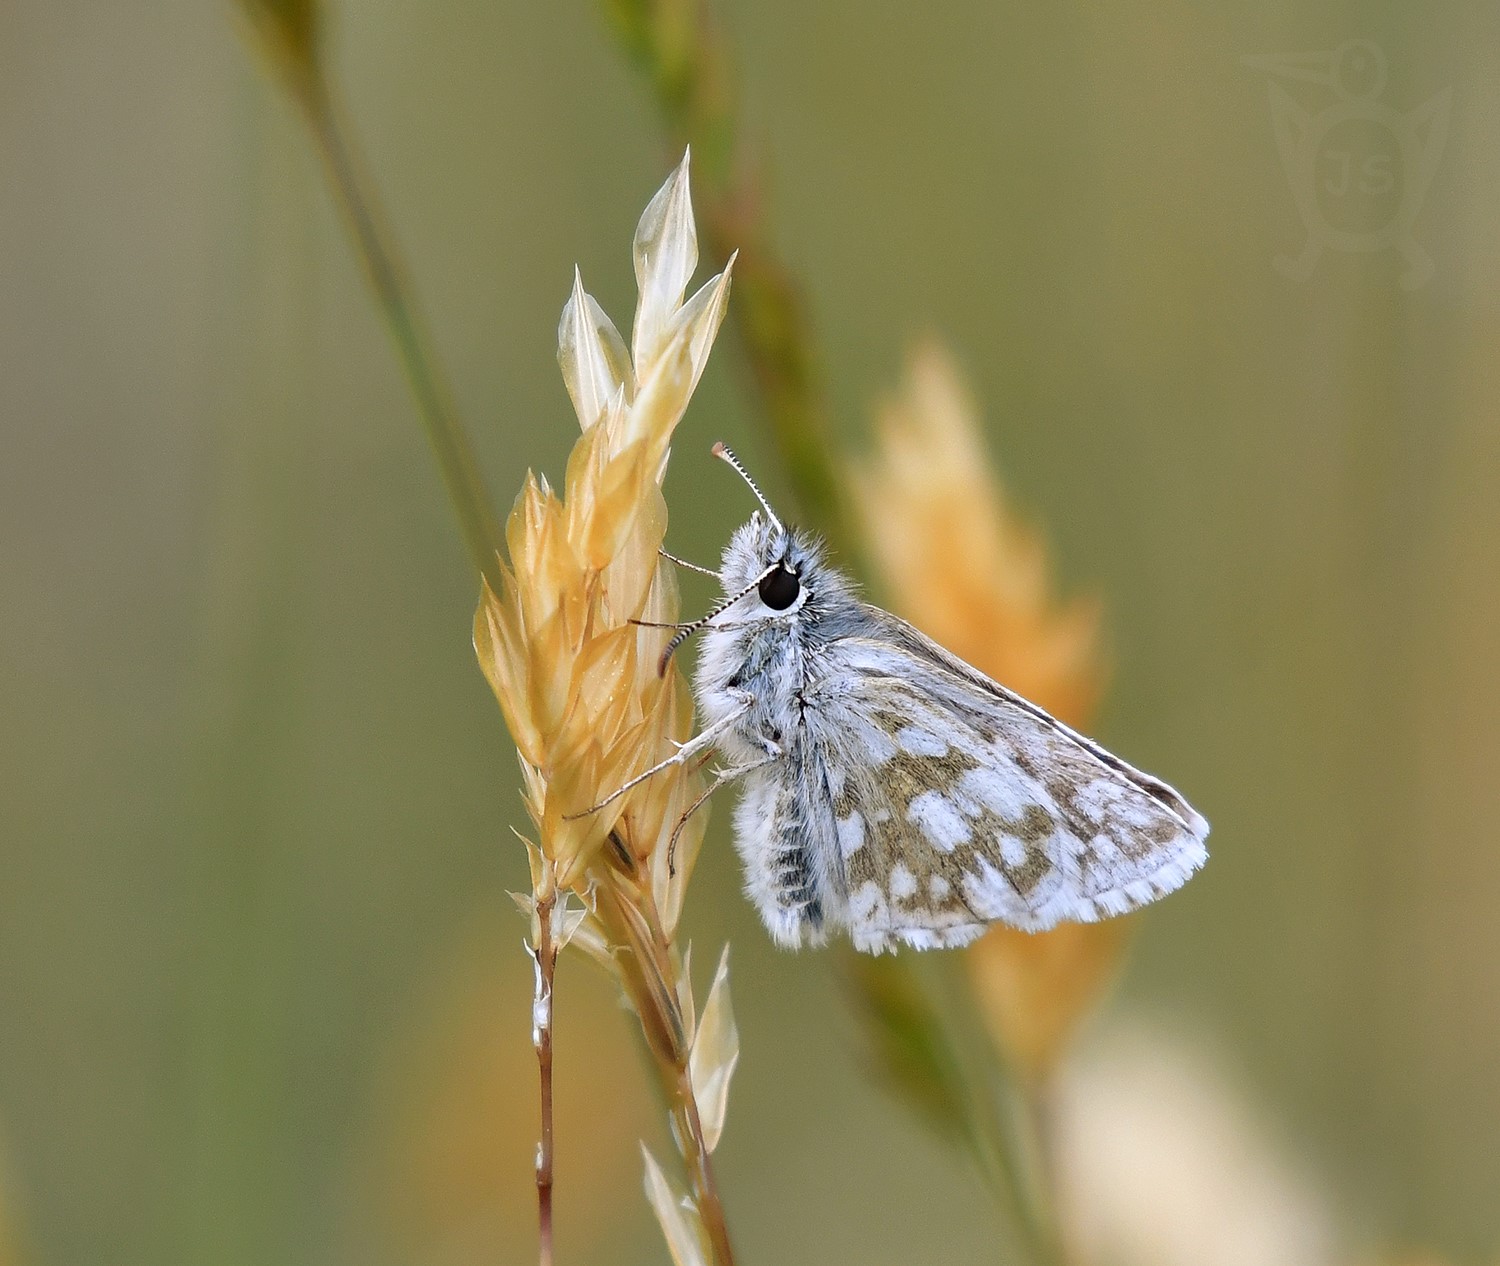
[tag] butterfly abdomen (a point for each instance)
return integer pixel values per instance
(776, 842)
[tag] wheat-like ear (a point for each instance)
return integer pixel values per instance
(572, 644)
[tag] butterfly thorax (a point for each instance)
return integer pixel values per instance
(767, 661)
(770, 670)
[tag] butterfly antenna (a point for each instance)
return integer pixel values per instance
(682, 562)
(722, 451)
(687, 630)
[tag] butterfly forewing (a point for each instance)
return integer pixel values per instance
(961, 803)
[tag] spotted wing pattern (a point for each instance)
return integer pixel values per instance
(957, 803)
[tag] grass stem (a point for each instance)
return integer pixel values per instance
(544, 954)
(386, 274)
(649, 975)
(685, 59)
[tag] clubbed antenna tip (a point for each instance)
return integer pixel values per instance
(724, 453)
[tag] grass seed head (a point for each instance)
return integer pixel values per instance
(962, 565)
(575, 676)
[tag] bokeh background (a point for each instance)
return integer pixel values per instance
(262, 994)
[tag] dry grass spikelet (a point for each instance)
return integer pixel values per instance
(956, 559)
(1035, 990)
(958, 562)
(576, 673)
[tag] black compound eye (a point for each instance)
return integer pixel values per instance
(780, 588)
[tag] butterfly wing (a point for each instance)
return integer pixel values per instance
(961, 803)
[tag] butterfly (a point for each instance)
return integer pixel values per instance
(890, 790)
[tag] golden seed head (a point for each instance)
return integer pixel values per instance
(953, 556)
(575, 676)
(963, 567)
(1034, 990)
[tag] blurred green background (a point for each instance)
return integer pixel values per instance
(262, 995)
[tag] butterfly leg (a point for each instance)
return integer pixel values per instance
(720, 779)
(684, 753)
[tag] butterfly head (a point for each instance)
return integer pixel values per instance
(765, 556)
(769, 572)
(776, 564)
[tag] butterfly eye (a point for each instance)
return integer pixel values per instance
(780, 589)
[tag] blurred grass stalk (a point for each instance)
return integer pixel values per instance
(291, 32)
(684, 58)
(954, 558)
(924, 1055)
